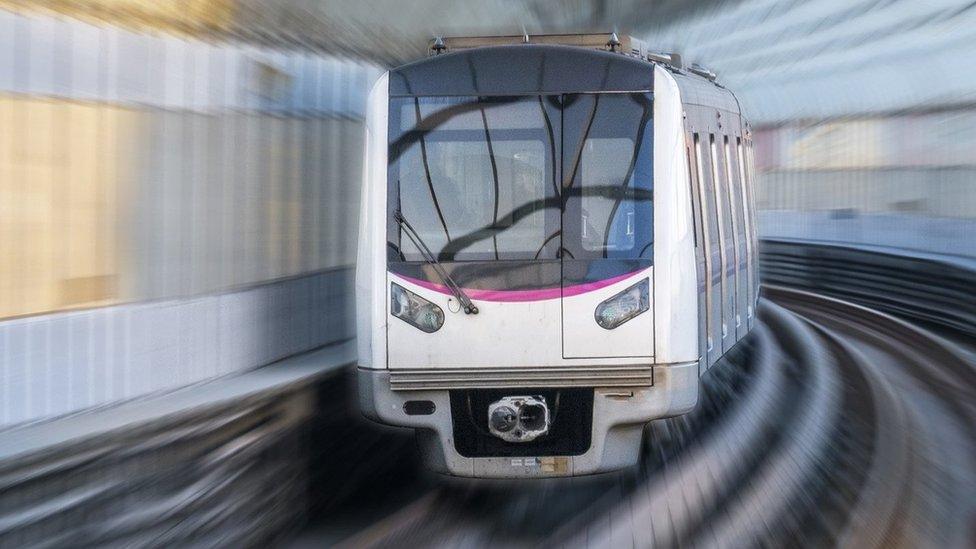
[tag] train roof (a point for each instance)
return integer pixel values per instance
(696, 90)
(549, 64)
(521, 69)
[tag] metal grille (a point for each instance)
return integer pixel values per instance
(479, 378)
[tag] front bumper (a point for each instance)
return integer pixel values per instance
(618, 423)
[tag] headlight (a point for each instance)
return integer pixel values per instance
(415, 310)
(624, 306)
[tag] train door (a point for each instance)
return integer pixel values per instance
(607, 225)
(712, 245)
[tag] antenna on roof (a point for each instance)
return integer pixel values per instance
(438, 46)
(672, 59)
(614, 42)
(702, 71)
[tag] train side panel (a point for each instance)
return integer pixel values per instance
(371, 293)
(675, 278)
(716, 150)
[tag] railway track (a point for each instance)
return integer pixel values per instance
(834, 424)
(930, 384)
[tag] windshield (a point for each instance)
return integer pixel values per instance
(476, 176)
(608, 167)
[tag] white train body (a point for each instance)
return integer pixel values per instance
(594, 207)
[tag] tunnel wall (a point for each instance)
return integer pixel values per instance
(172, 208)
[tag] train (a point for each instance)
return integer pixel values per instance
(557, 239)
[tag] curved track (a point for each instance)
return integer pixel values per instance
(833, 424)
(923, 480)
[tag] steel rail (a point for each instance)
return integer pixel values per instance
(937, 367)
(934, 361)
(877, 517)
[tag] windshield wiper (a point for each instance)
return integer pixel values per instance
(463, 299)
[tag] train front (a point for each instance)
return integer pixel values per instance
(506, 279)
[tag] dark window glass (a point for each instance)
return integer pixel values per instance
(710, 219)
(609, 210)
(604, 165)
(725, 207)
(474, 177)
(738, 201)
(693, 179)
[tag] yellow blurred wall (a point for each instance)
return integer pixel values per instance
(184, 16)
(59, 203)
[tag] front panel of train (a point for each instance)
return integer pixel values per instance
(518, 246)
(536, 208)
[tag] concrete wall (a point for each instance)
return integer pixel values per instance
(59, 363)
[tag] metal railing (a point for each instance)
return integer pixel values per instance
(928, 289)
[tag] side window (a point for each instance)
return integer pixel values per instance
(738, 202)
(706, 194)
(742, 184)
(695, 183)
(746, 202)
(720, 199)
(750, 189)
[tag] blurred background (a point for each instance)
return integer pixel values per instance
(179, 180)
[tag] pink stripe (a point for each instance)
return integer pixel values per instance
(522, 295)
